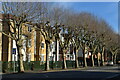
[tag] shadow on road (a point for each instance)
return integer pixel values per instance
(77, 74)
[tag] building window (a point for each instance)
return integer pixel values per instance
(51, 47)
(24, 43)
(29, 42)
(42, 45)
(67, 56)
(72, 56)
(29, 29)
(42, 58)
(51, 58)
(28, 57)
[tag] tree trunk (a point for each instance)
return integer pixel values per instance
(102, 57)
(84, 59)
(56, 50)
(76, 59)
(20, 59)
(92, 60)
(47, 57)
(114, 59)
(64, 61)
(98, 62)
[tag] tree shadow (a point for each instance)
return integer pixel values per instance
(74, 74)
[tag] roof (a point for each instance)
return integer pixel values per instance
(5, 16)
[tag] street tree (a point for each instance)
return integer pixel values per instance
(113, 46)
(55, 15)
(21, 13)
(103, 37)
(47, 31)
(64, 44)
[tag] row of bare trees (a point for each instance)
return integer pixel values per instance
(82, 29)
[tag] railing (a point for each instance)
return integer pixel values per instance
(12, 66)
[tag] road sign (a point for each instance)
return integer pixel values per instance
(14, 51)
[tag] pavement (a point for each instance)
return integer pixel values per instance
(94, 73)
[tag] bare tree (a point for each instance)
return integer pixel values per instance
(113, 45)
(103, 37)
(46, 30)
(64, 43)
(20, 13)
(56, 17)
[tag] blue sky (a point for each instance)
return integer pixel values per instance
(105, 10)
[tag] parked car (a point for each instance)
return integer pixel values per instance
(118, 62)
(109, 63)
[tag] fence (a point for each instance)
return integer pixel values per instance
(35, 65)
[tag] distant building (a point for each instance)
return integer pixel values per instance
(34, 47)
(5, 42)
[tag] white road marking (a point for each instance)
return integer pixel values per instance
(45, 75)
(112, 76)
(107, 70)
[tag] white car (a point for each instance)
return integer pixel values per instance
(109, 63)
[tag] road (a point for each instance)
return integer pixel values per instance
(96, 73)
